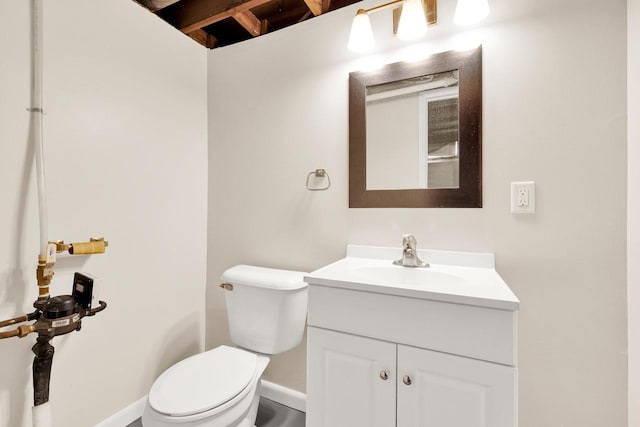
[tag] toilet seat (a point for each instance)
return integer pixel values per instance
(203, 382)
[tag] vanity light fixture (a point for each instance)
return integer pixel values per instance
(411, 24)
(413, 20)
(361, 37)
(410, 20)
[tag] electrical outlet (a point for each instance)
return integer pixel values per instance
(523, 197)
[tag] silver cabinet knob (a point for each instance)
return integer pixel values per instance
(406, 379)
(384, 375)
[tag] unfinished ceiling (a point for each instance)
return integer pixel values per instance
(216, 23)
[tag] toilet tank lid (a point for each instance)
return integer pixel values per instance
(262, 277)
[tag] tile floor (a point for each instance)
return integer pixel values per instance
(273, 414)
(270, 414)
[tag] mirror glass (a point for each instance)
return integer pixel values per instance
(415, 133)
(412, 133)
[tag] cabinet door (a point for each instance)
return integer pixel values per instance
(345, 381)
(453, 391)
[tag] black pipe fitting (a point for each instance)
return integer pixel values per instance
(42, 369)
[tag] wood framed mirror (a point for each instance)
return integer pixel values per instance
(415, 133)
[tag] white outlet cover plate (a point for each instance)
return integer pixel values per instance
(530, 186)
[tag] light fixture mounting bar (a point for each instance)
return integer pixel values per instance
(384, 6)
(430, 10)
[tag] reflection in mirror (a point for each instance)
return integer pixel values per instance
(415, 133)
(412, 133)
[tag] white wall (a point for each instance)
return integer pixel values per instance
(633, 216)
(554, 112)
(125, 147)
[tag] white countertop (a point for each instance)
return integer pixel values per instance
(454, 277)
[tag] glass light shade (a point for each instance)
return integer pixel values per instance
(470, 11)
(413, 22)
(361, 37)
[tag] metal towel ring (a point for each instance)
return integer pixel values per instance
(319, 173)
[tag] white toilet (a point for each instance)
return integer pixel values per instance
(266, 309)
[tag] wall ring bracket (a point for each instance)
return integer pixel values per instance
(318, 173)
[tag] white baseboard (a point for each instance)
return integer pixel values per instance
(283, 395)
(125, 416)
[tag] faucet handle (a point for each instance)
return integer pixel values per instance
(409, 242)
(410, 253)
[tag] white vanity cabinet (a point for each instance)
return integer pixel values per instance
(384, 352)
(351, 380)
(438, 389)
(361, 382)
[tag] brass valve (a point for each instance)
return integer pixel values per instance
(44, 274)
(24, 330)
(95, 245)
(60, 246)
(44, 271)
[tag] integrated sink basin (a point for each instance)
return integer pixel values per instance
(398, 275)
(456, 277)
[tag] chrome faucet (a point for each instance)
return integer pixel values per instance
(410, 253)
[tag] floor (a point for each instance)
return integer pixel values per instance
(270, 414)
(273, 414)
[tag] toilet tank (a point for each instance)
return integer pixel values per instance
(266, 308)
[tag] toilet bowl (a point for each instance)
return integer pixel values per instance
(221, 387)
(218, 388)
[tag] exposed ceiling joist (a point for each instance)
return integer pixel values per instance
(318, 7)
(191, 15)
(204, 38)
(251, 23)
(217, 23)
